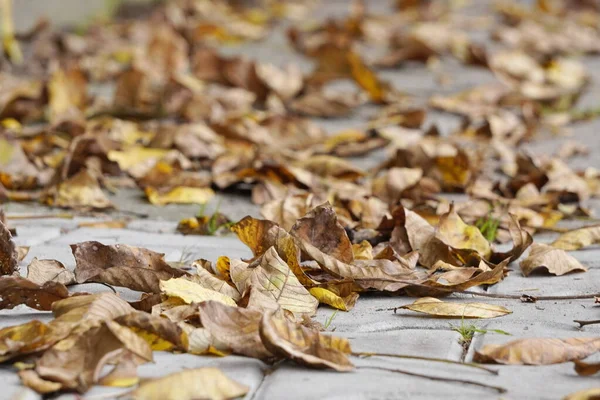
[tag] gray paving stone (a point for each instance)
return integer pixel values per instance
(290, 381)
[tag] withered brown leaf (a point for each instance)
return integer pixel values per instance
(236, 327)
(122, 265)
(15, 290)
(555, 261)
(303, 345)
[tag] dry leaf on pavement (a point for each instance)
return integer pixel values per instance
(42, 271)
(538, 351)
(236, 327)
(578, 238)
(555, 261)
(15, 290)
(438, 308)
(273, 278)
(8, 252)
(121, 265)
(200, 383)
(303, 345)
(191, 292)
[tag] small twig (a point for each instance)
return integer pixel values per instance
(438, 378)
(441, 360)
(584, 323)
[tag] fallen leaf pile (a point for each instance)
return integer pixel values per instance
(184, 121)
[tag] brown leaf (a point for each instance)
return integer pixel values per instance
(521, 241)
(160, 333)
(303, 345)
(585, 369)
(121, 265)
(42, 271)
(260, 235)
(15, 290)
(321, 229)
(273, 278)
(236, 327)
(191, 384)
(538, 351)
(92, 307)
(555, 261)
(8, 252)
(433, 287)
(75, 362)
(578, 238)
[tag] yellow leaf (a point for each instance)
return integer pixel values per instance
(134, 156)
(199, 383)
(180, 195)
(586, 394)
(436, 307)
(326, 296)
(191, 292)
(366, 78)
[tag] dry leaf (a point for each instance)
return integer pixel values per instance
(121, 265)
(212, 282)
(191, 384)
(8, 252)
(273, 278)
(521, 241)
(303, 345)
(585, 369)
(76, 361)
(236, 327)
(555, 261)
(160, 333)
(321, 229)
(80, 191)
(42, 271)
(585, 394)
(455, 233)
(260, 235)
(538, 351)
(15, 290)
(578, 238)
(438, 308)
(191, 292)
(326, 296)
(180, 195)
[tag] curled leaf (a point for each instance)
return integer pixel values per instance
(236, 327)
(555, 261)
(42, 271)
(303, 345)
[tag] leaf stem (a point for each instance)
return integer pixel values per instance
(437, 378)
(434, 359)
